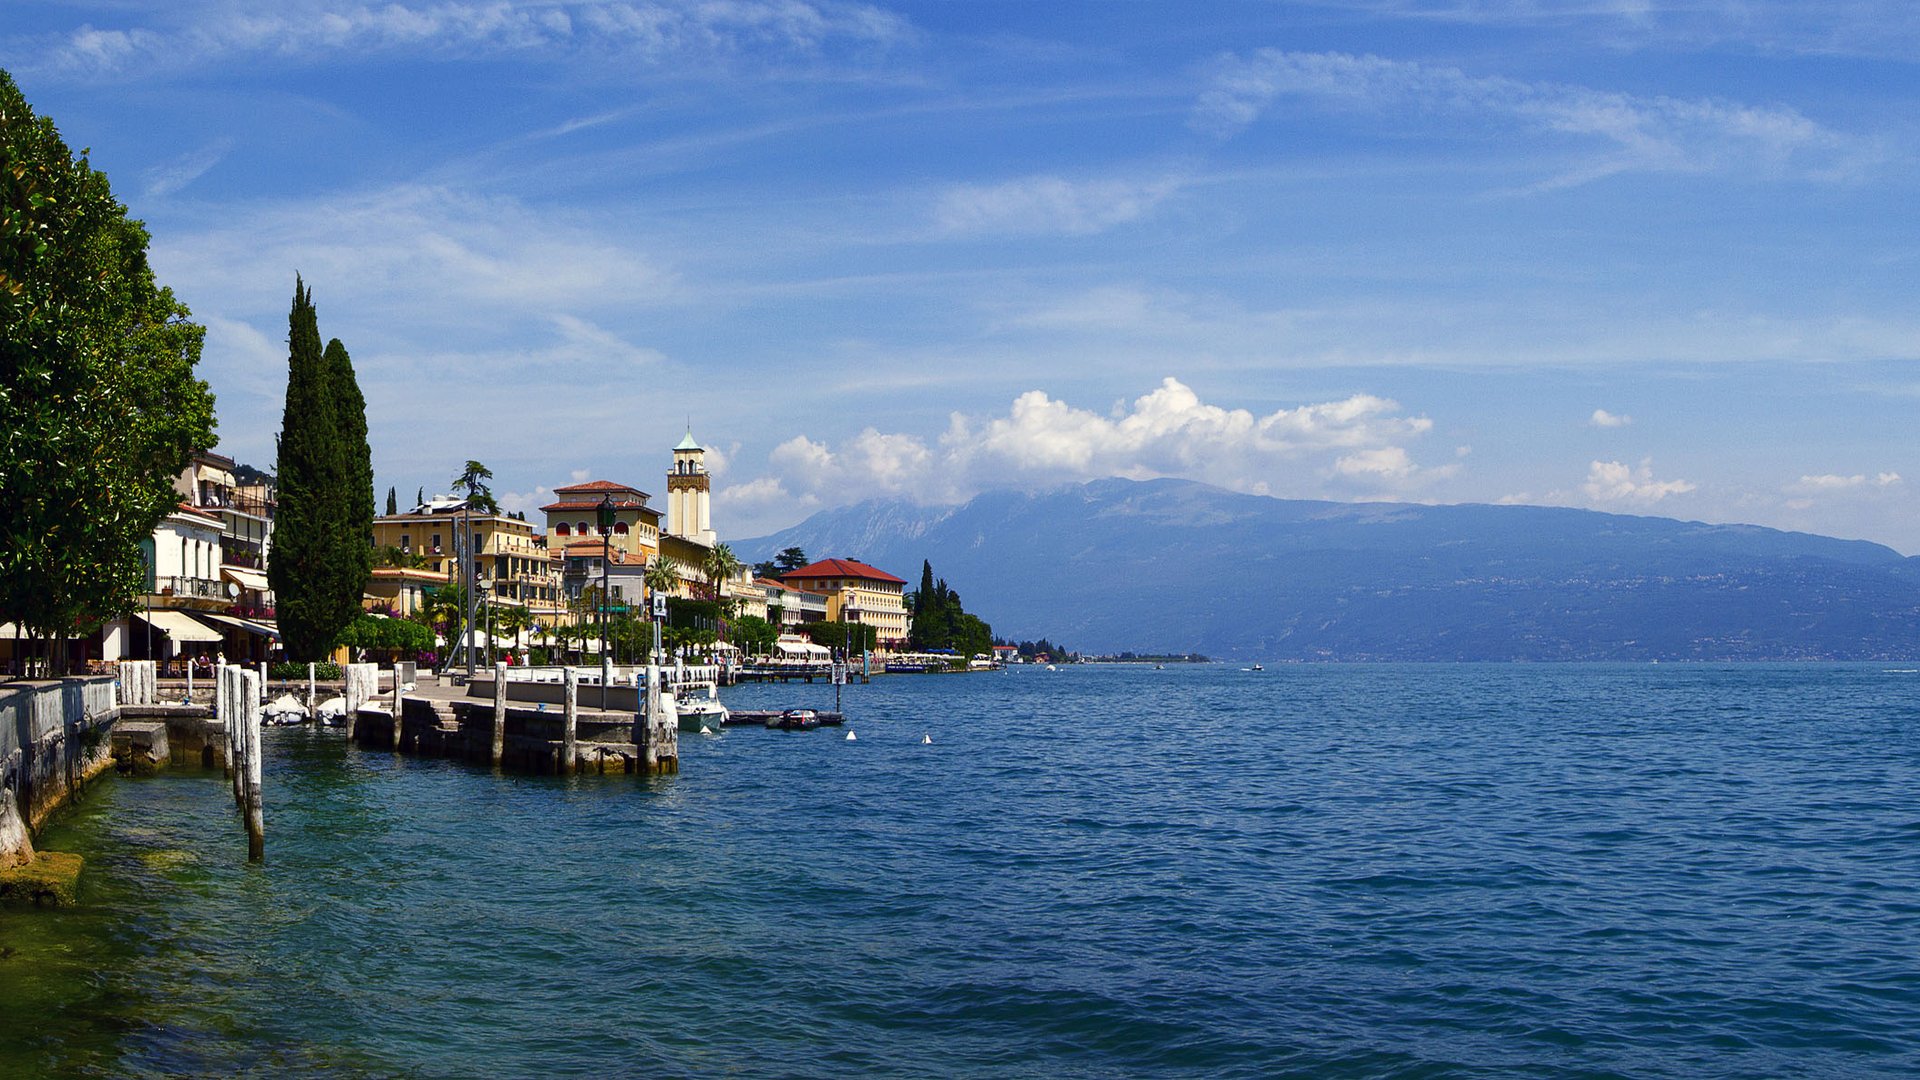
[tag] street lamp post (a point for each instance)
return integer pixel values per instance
(606, 556)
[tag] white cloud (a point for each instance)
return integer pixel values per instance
(164, 180)
(1828, 483)
(646, 33)
(1614, 482)
(1047, 205)
(1641, 133)
(1351, 447)
(417, 257)
(1601, 418)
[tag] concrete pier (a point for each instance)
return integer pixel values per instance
(460, 723)
(54, 738)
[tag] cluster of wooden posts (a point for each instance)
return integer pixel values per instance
(237, 703)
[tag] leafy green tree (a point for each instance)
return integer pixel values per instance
(99, 405)
(790, 559)
(753, 634)
(836, 635)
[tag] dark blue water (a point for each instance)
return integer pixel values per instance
(1646, 871)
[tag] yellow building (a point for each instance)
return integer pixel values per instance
(858, 593)
(510, 564)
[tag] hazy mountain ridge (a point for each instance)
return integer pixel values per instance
(1170, 565)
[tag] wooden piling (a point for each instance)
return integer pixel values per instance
(499, 714)
(313, 707)
(247, 688)
(569, 741)
(399, 695)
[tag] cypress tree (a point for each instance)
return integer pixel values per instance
(420, 497)
(309, 469)
(393, 502)
(353, 550)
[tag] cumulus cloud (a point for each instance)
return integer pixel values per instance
(1639, 133)
(1354, 446)
(648, 33)
(1601, 418)
(1615, 482)
(1046, 205)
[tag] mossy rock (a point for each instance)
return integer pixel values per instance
(52, 878)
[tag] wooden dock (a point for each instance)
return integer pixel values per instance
(763, 717)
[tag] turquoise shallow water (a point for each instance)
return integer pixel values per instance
(1683, 871)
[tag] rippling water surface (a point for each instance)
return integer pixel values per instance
(1682, 871)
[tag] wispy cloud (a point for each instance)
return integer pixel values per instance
(434, 255)
(1635, 132)
(165, 179)
(1601, 418)
(654, 32)
(1827, 483)
(1047, 205)
(1887, 29)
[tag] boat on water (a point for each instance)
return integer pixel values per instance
(796, 720)
(698, 702)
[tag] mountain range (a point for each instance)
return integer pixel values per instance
(1174, 566)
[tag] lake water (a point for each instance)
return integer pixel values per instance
(1646, 871)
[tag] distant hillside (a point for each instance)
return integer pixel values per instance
(1175, 566)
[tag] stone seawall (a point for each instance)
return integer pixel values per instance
(54, 737)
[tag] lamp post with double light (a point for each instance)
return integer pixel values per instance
(606, 557)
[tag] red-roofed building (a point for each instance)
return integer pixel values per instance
(857, 593)
(574, 515)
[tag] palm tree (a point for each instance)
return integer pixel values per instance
(662, 576)
(719, 565)
(514, 619)
(447, 607)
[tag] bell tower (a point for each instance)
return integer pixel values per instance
(689, 494)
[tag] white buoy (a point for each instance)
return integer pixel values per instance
(850, 737)
(926, 740)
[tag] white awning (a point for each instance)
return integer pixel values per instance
(802, 648)
(240, 624)
(246, 579)
(180, 626)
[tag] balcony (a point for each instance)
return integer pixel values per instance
(196, 588)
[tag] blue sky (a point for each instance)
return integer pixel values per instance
(1635, 256)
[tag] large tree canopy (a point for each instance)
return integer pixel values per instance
(99, 405)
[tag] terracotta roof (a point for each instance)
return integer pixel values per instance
(594, 547)
(841, 568)
(189, 508)
(618, 504)
(597, 486)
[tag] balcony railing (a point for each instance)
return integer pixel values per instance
(199, 588)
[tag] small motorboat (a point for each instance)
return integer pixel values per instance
(699, 707)
(332, 712)
(796, 720)
(283, 711)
